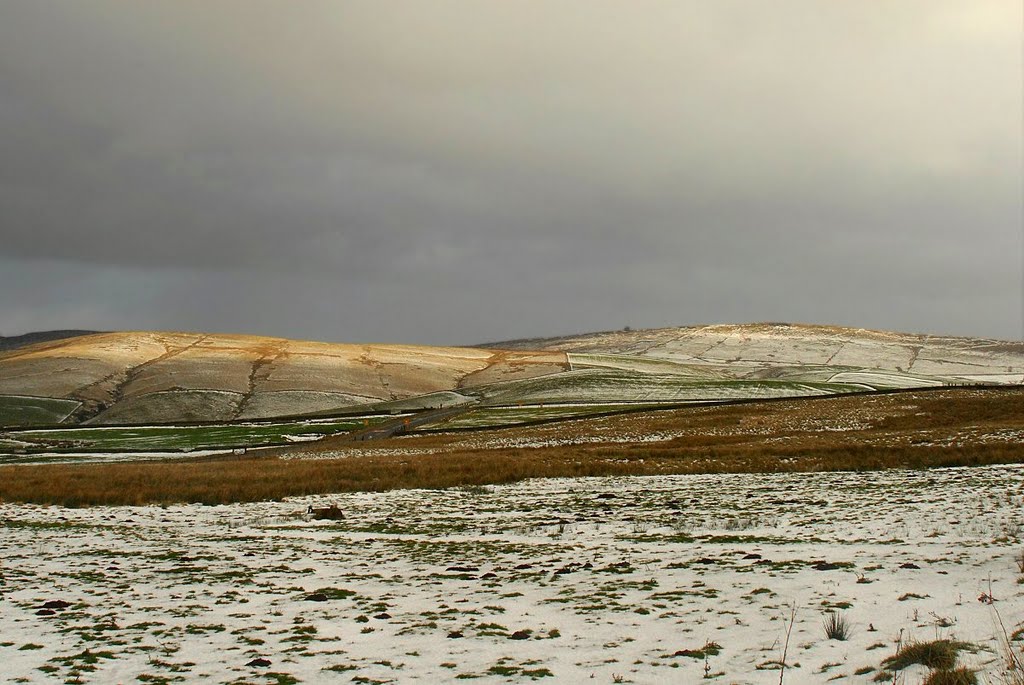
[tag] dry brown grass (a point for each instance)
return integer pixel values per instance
(243, 480)
(916, 430)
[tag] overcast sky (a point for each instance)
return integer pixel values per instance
(458, 171)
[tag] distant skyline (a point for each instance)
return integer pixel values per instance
(458, 172)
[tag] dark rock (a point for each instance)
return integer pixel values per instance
(910, 564)
(383, 615)
(520, 635)
(45, 612)
(331, 513)
(455, 635)
(463, 569)
(826, 566)
(259, 662)
(56, 604)
(752, 555)
(316, 597)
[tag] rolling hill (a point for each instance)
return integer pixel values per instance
(152, 377)
(145, 377)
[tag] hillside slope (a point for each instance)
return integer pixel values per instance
(147, 377)
(776, 350)
(139, 377)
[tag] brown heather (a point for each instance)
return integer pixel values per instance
(902, 430)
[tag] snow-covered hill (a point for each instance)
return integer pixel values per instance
(138, 377)
(153, 377)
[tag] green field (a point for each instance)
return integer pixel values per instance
(178, 438)
(34, 411)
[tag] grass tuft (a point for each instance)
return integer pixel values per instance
(939, 655)
(836, 626)
(957, 676)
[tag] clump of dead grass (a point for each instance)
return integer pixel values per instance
(260, 479)
(956, 676)
(939, 656)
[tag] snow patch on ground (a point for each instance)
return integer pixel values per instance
(572, 579)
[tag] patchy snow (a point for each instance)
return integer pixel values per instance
(979, 436)
(105, 457)
(995, 378)
(879, 379)
(304, 437)
(495, 440)
(609, 579)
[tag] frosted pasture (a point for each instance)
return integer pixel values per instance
(641, 579)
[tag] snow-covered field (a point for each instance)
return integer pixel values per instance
(645, 580)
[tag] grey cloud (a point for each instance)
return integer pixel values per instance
(462, 171)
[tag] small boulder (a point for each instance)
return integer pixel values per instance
(56, 604)
(826, 566)
(331, 513)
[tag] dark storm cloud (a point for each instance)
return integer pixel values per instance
(459, 171)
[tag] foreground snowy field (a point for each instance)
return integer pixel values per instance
(645, 580)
